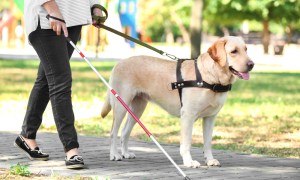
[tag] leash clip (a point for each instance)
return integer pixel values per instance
(170, 56)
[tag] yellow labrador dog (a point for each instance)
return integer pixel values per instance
(142, 78)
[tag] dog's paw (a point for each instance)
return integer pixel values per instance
(213, 162)
(115, 157)
(128, 155)
(192, 164)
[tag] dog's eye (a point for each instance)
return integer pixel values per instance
(234, 51)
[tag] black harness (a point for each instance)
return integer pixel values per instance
(180, 84)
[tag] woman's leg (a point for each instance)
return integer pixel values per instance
(55, 75)
(38, 100)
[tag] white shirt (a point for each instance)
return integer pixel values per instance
(75, 12)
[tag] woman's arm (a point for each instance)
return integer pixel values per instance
(53, 10)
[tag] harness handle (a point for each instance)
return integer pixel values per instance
(99, 19)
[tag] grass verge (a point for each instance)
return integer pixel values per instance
(260, 116)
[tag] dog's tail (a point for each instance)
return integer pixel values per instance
(106, 106)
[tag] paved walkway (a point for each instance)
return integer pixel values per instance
(150, 162)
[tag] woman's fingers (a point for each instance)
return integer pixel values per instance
(65, 30)
(59, 27)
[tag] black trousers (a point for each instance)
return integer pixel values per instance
(53, 82)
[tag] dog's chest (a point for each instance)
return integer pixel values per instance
(212, 105)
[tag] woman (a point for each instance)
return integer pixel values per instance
(54, 79)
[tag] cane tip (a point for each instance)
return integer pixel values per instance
(186, 178)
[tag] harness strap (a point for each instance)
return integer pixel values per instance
(180, 84)
(198, 75)
(179, 78)
(203, 84)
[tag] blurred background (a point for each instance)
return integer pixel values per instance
(271, 24)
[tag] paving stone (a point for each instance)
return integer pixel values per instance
(150, 162)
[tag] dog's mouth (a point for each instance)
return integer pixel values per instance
(241, 75)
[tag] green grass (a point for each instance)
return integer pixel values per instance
(260, 116)
(17, 78)
(19, 170)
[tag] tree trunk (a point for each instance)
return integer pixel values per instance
(196, 28)
(289, 31)
(169, 33)
(266, 36)
(179, 23)
(225, 31)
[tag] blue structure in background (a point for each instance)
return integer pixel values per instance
(127, 11)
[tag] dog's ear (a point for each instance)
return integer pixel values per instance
(217, 52)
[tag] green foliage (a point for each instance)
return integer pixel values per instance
(20, 170)
(228, 12)
(20, 5)
(156, 17)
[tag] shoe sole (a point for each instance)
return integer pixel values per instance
(75, 166)
(28, 155)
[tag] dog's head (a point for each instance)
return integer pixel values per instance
(231, 52)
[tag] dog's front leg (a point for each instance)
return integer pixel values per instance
(186, 140)
(208, 125)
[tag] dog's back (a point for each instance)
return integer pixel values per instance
(146, 77)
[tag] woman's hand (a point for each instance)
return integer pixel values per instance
(57, 26)
(97, 12)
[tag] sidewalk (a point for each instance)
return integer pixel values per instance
(150, 162)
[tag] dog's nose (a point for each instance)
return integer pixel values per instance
(250, 65)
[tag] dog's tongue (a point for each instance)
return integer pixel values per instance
(245, 76)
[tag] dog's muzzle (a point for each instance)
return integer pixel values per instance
(243, 75)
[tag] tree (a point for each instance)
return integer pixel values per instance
(186, 16)
(226, 12)
(196, 28)
(163, 17)
(284, 12)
